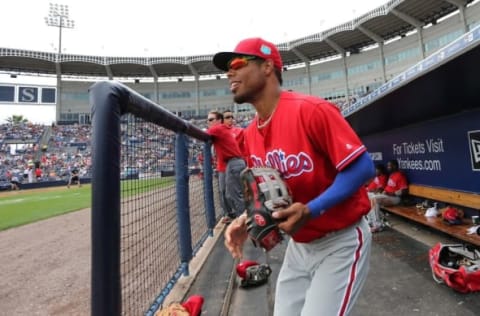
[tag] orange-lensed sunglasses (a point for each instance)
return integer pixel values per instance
(239, 62)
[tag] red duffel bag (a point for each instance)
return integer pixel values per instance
(456, 265)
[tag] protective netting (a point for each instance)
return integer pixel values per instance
(150, 253)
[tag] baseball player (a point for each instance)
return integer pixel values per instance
(380, 181)
(74, 177)
(230, 160)
(395, 188)
(237, 133)
(325, 166)
(221, 167)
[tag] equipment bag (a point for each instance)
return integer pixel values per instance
(456, 265)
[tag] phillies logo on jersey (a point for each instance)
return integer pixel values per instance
(288, 165)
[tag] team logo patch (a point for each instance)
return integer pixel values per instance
(265, 50)
(259, 219)
(474, 143)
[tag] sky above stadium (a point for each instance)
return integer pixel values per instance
(166, 28)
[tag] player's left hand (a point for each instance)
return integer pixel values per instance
(292, 218)
(236, 235)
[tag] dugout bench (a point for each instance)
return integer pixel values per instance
(455, 198)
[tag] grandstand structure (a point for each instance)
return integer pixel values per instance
(339, 64)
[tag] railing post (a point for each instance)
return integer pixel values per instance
(208, 185)
(106, 148)
(182, 193)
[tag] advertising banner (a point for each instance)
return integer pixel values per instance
(441, 153)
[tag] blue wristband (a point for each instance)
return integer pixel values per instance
(344, 185)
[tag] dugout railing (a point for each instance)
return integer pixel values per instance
(148, 220)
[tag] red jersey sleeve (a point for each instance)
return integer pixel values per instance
(214, 131)
(332, 134)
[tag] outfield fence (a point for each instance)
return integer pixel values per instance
(153, 199)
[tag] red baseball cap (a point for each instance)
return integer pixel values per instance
(250, 47)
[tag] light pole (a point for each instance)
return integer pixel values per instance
(58, 17)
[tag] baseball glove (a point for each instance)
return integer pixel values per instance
(264, 192)
(253, 273)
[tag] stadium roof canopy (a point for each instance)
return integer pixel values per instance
(395, 18)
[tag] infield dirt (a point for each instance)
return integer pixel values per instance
(46, 266)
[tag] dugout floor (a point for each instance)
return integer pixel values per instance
(399, 282)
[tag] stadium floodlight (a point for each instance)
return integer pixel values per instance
(58, 16)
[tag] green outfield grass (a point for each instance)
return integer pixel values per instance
(27, 206)
(22, 207)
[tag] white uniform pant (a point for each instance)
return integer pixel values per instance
(375, 217)
(325, 276)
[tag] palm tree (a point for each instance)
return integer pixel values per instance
(16, 119)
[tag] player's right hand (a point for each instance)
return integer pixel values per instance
(290, 219)
(236, 235)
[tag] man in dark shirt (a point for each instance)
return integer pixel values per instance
(74, 177)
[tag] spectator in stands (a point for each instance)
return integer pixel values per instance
(396, 188)
(74, 177)
(67, 144)
(38, 174)
(30, 173)
(25, 174)
(230, 161)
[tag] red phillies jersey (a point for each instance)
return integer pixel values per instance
(396, 181)
(379, 182)
(309, 142)
(225, 144)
